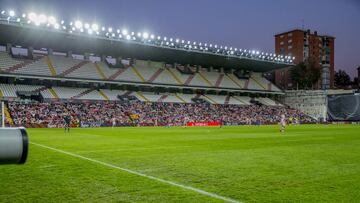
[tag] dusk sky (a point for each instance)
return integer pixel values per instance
(249, 24)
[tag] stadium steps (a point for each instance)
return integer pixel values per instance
(218, 81)
(162, 98)
(53, 93)
(117, 73)
(210, 99)
(180, 98)
(140, 94)
(178, 81)
(8, 115)
(234, 80)
(247, 84)
(127, 94)
(189, 79)
(104, 95)
(22, 65)
(73, 68)
(40, 89)
(1, 93)
(258, 83)
(227, 99)
(138, 73)
(205, 79)
(155, 75)
(50, 66)
(269, 86)
(82, 93)
(239, 100)
(100, 71)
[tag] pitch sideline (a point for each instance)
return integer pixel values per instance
(203, 192)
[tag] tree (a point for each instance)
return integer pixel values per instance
(342, 79)
(305, 75)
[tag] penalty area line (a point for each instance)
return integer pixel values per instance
(203, 192)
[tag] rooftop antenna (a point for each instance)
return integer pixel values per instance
(302, 24)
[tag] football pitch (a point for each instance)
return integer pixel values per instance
(308, 163)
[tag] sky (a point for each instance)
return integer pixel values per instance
(246, 24)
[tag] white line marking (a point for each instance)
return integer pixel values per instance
(203, 192)
(131, 149)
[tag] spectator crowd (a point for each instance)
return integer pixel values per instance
(137, 113)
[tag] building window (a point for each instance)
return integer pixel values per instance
(281, 36)
(289, 41)
(290, 34)
(290, 47)
(281, 43)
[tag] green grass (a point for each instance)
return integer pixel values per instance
(309, 163)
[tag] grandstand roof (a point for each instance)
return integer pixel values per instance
(28, 36)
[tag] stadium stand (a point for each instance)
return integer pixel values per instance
(311, 102)
(58, 65)
(50, 114)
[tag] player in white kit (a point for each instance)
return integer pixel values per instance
(282, 123)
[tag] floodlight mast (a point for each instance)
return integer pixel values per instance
(79, 27)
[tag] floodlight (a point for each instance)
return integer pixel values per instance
(78, 24)
(235, 49)
(64, 27)
(81, 30)
(177, 40)
(145, 35)
(194, 43)
(215, 46)
(167, 43)
(188, 42)
(87, 26)
(11, 13)
(56, 26)
(210, 45)
(205, 44)
(231, 52)
(132, 33)
(120, 36)
(128, 37)
(171, 39)
(97, 32)
(124, 32)
(113, 34)
(165, 38)
(2, 12)
(152, 36)
(110, 29)
(32, 17)
(293, 58)
(24, 15)
(94, 27)
(62, 22)
(52, 20)
(18, 20)
(73, 28)
(257, 52)
(182, 41)
(103, 28)
(90, 31)
(139, 34)
(225, 47)
(118, 31)
(158, 37)
(42, 19)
